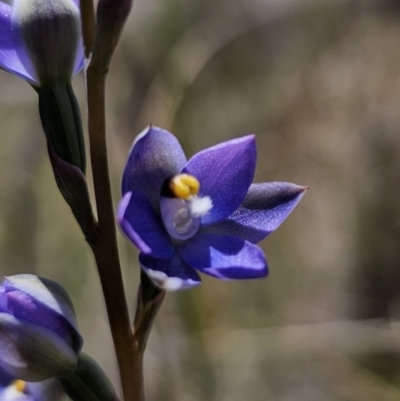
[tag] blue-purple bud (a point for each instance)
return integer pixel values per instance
(39, 336)
(49, 32)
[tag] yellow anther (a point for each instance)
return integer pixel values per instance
(184, 186)
(20, 385)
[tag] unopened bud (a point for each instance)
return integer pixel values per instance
(49, 33)
(39, 337)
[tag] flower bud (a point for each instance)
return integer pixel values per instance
(49, 33)
(111, 18)
(39, 337)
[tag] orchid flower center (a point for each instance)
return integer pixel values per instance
(20, 385)
(181, 207)
(184, 186)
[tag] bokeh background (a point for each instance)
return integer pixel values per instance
(318, 81)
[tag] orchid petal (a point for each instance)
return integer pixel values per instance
(11, 393)
(156, 155)
(143, 226)
(224, 257)
(51, 301)
(169, 274)
(225, 172)
(25, 308)
(10, 48)
(80, 52)
(47, 390)
(5, 378)
(79, 58)
(263, 210)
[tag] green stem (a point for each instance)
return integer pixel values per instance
(105, 249)
(100, 46)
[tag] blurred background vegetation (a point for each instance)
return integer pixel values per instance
(318, 81)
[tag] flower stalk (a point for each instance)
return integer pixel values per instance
(149, 301)
(105, 248)
(128, 350)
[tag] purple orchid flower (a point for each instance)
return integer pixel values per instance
(39, 336)
(18, 390)
(203, 214)
(40, 40)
